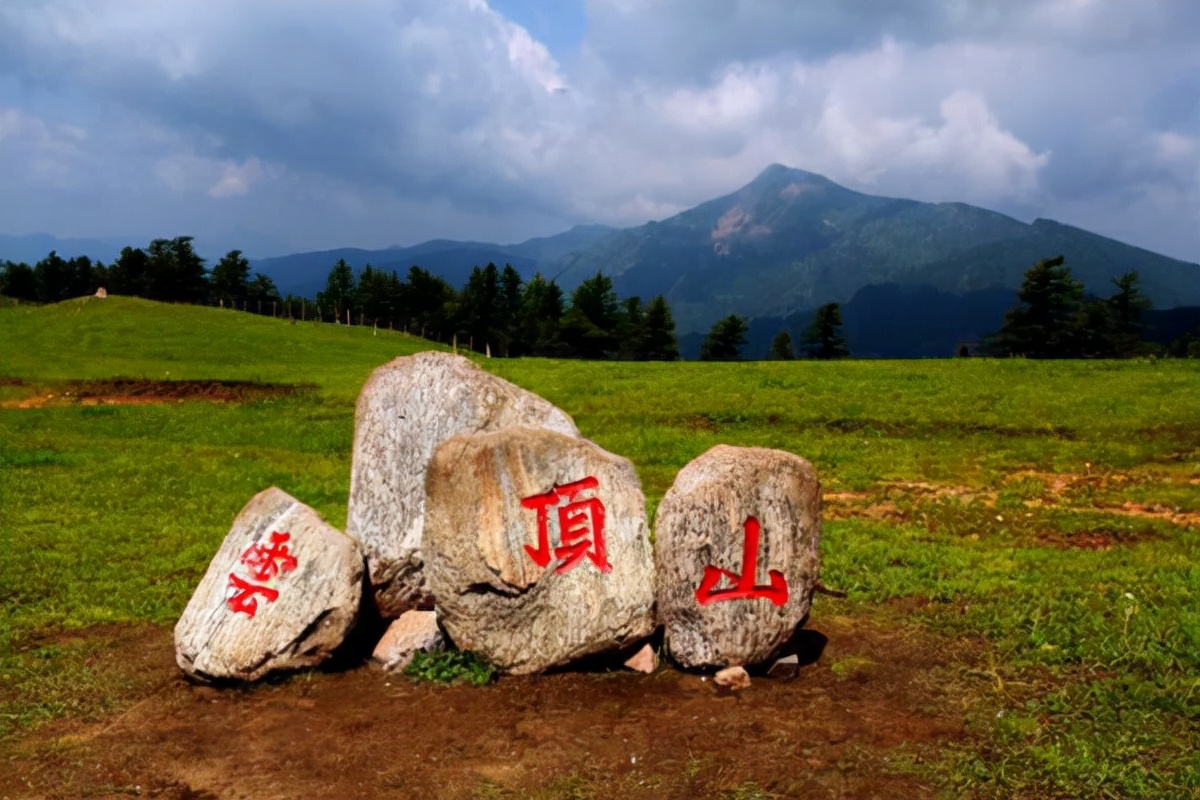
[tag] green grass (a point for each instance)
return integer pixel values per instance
(109, 514)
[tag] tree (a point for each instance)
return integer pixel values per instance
(659, 342)
(725, 339)
(481, 311)
(52, 278)
(424, 305)
(130, 273)
(338, 297)
(261, 291)
(17, 280)
(631, 329)
(590, 325)
(781, 347)
(823, 338)
(538, 326)
(1126, 307)
(174, 272)
(1045, 324)
(229, 278)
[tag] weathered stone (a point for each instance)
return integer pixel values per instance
(281, 593)
(786, 668)
(406, 408)
(732, 678)
(723, 598)
(410, 632)
(644, 660)
(511, 584)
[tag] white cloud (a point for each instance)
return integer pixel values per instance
(385, 121)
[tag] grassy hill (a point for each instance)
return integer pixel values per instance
(1045, 512)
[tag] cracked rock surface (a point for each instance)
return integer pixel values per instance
(282, 593)
(524, 602)
(405, 410)
(721, 602)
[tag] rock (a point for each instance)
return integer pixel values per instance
(101, 293)
(281, 593)
(644, 660)
(511, 584)
(785, 669)
(410, 632)
(736, 552)
(732, 678)
(406, 408)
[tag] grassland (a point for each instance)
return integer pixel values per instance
(1048, 511)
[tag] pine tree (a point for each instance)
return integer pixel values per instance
(781, 347)
(230, 278)
(338, 297)
(725, 339)
(823, 339)
(659, 343)
(1046, 322)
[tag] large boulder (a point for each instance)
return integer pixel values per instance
(281, 593)
(405, 410)
(735, 545)
(536, 548)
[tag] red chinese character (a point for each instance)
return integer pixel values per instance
(580, 526)
(265, 562)
(244, 600)
(743, 587)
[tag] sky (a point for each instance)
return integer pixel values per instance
(284, 125)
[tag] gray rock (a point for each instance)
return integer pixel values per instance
(281, 593)
(511, 583)
(410, 632)
(736, 551)
(785, 669)
(406, 408)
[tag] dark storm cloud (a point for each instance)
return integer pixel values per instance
(386, 121)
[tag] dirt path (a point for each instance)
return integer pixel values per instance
(870, 697)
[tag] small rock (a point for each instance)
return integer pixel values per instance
(281, 593)
(644, 660)
(536, 547)
(405, 410)
(732, 678)
(412, 631)
(785, 669)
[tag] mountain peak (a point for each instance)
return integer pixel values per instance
(777, 173)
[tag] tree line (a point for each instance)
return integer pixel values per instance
(500, 313)
(167, 270)
(496, 312)
(1056, 318)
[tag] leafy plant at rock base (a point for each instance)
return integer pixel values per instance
(451, 666)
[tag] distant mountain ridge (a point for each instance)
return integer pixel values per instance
(778, 247)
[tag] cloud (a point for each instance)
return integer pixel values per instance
(383, 121)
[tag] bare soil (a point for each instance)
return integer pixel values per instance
(868, 699)
(138, 391)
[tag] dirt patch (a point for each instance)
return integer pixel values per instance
(871, 697)
(136, 391)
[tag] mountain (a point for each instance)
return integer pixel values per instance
(33, 247)
(306, 273)
(791, 240)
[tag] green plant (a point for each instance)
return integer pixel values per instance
(451, 666)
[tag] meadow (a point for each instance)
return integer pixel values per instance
(1046, 514)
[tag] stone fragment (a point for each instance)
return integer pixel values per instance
(785, 669)
(644, 660)
(536, 547)
(736, 551)
(410, 632)
(406, 408)
(732, 678)
(281, 593)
